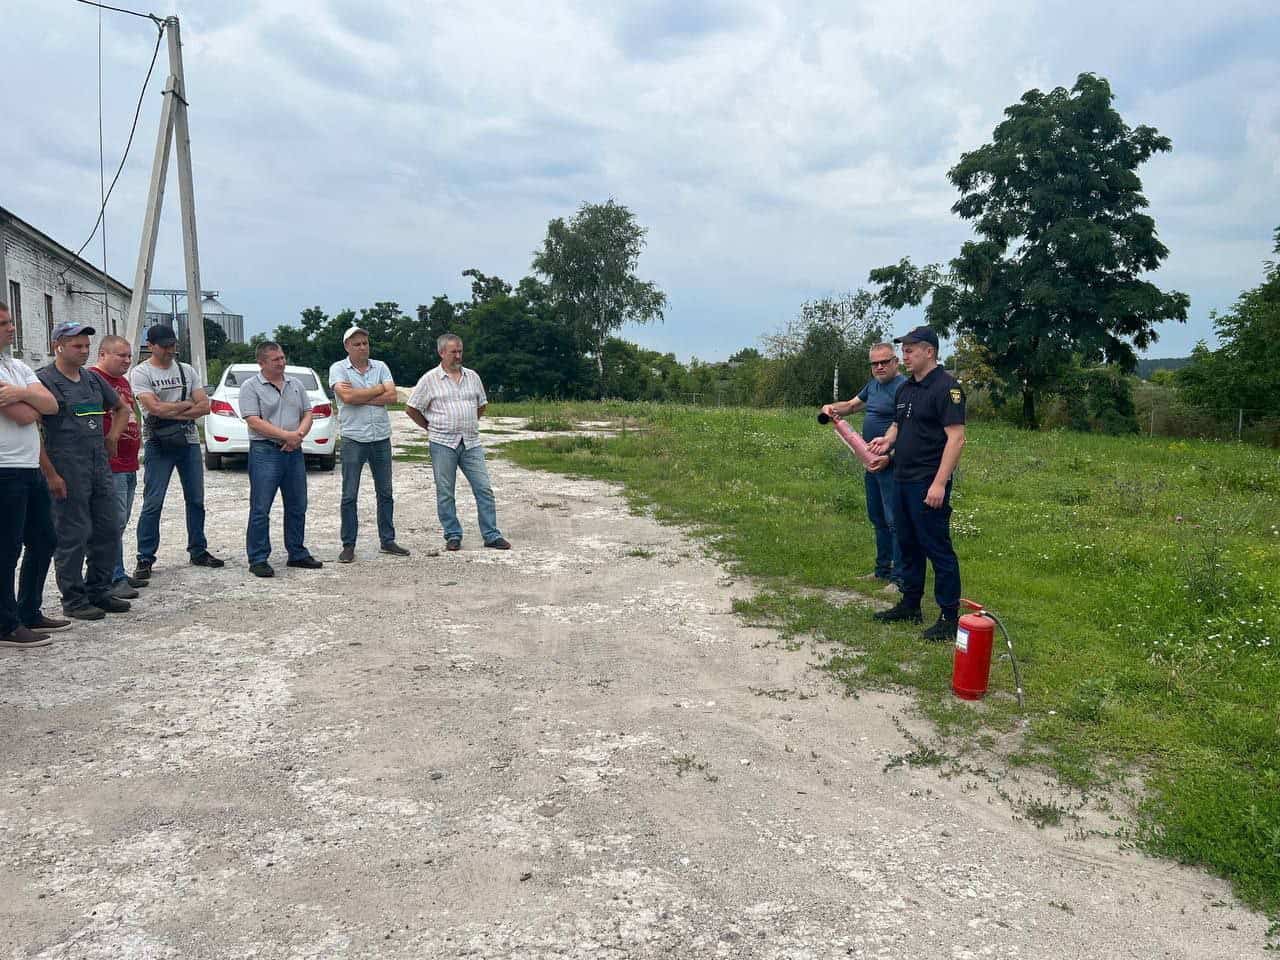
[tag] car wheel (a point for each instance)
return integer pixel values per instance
(212, 461)
(328, 463)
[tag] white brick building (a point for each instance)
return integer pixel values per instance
(39, 294)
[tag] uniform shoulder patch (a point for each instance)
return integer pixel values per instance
(956, 395)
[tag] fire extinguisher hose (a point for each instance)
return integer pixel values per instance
(1017, 673)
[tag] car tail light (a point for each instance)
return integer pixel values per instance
(320, 440)
(222, 408)
(221, 439)
(322, 410)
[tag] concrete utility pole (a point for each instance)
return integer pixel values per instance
(173, 126)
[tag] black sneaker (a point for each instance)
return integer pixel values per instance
(87, 612)
(394, 549)
(24, 638)
(112, 604)
(306, 563)
(121, 590)
(898, 614)
(48, 625)
(944, 631)
(143, 570)
(261, 569)
(206, 559)
(348, 554)
(499, 544)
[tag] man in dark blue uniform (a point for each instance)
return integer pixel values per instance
(926, 438)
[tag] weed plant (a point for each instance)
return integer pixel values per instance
(1139, 578)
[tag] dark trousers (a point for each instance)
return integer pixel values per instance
(158, 467)
(924, 532)
(879, 489)
(355, 455)
(270, 470)
(28, 525)
(87, 524)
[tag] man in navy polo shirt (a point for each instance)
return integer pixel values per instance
(877, 397)
(926, 437)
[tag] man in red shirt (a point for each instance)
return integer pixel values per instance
(115, 356)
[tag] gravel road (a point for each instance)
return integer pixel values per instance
(561, 751)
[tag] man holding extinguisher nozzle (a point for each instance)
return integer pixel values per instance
(926, 436)
(877, 398)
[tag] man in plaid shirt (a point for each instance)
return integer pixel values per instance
(447, 403)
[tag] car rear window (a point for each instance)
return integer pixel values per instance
(234, 379)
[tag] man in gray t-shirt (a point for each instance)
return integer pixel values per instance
(364, 387)
(277, 411)
(173, 399)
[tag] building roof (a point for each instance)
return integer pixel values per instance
(8, 219)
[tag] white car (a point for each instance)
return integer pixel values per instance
(225, 433)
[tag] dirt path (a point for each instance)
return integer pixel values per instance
(552, 752)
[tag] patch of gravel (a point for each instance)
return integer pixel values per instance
(561, 751)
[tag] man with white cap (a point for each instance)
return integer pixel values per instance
(364, 387)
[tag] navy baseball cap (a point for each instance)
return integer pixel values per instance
(69, 328)
(919, 335)
(161, 335)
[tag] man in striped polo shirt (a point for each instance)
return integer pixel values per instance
(447, 403)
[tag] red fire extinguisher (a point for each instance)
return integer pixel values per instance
(975, 635)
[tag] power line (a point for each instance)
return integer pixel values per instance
(132, 13)
(102, 185)
(132, 130)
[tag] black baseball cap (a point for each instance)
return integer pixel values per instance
(162, 335)
(919, 335)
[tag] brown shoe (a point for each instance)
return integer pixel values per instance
(48, 625)
(499, 544)
(453, 545)
(24, 638)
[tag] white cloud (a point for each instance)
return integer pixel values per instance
(353, 151)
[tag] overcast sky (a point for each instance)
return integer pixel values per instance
(348, 151)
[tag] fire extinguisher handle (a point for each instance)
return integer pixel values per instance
(971, 605)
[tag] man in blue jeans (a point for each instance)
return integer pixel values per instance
(877, 397)
(173, 399)
(448, 402)
(277, 411)
(926, 436)
(364, 387)
(114, 357)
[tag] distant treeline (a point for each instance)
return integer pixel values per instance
(1146, 368)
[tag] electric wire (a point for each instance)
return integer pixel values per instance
(102, 190)
(132, 13)
(155, 54)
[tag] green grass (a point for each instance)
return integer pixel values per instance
(1139, 578)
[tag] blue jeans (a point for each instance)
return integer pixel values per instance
(27, 530)
(880, 486)
(126, 486)
(924, 532)
(272, 469)
(158, 468)
(445, 462)
(355, 455)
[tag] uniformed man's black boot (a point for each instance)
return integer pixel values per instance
(898, 614)
(944, 631)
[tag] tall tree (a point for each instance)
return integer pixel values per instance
(1243, 371)
(827, 335)
(1062, 242)
(589, 264)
